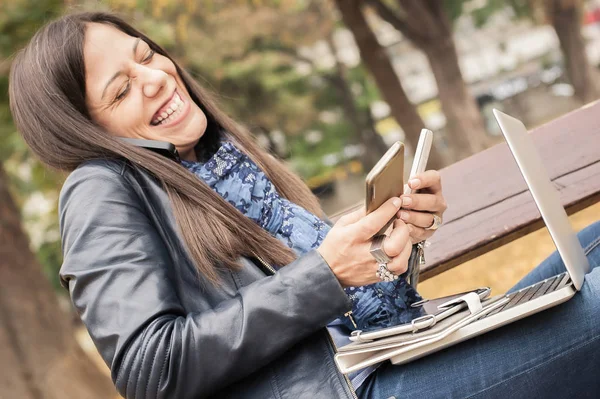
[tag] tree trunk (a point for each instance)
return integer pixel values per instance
(373, 143)
(377, 61)
(364, 133)
(565, 16)
(464, 124)
(39, 356)
(426, 25)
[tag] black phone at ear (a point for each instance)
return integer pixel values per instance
(162, 147)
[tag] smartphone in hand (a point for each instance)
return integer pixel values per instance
(386, 180)
(418, 166)
(421, 156)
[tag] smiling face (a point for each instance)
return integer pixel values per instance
(133, 92)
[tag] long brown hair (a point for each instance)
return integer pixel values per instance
(47, 100)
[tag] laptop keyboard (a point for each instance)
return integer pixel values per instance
(532, 292)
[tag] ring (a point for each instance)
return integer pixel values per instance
(377, 250)
(385, 274)
(437, 222)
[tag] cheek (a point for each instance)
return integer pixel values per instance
(124, 120)
(168, 67)
(200, 114)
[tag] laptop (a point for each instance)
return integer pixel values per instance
(547, 293)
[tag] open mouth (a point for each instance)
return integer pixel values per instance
(169, 112)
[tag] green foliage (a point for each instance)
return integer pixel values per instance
(307, 157)
(455, 8)
(49, 256)
(367, 89)
(481, 15)
(20, 18)
(521, 8)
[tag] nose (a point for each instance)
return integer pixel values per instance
(152, 80)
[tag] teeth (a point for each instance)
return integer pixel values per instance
(172, 109)
(174, 114)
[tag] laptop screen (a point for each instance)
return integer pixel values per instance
(545, 195)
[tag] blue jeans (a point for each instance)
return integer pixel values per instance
(553, 354)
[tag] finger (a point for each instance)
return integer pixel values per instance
(352, 217)
(374, 221)
(395, 242)
(430, 179)
(419, 219)
(434, 203)
(398, 223)
(399, 264)
(418, 234)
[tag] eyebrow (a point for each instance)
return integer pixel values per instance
(116, 75)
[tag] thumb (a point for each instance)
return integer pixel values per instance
(352, 217)
(374, 221)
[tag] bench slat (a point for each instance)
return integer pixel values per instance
(482, 231)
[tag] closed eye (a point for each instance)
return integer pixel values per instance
(149, 56)
(126, 90)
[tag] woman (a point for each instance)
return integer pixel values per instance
(165, 261)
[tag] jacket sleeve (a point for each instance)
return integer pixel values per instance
(116, 268)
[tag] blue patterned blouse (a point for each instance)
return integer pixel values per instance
(235, 177)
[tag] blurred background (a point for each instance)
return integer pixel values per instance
(327, 86)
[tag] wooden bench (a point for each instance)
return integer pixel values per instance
(489, 204)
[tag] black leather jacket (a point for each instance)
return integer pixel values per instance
(162, 332)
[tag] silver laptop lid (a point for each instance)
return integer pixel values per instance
(545, 195)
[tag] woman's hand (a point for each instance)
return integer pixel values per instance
(418, 209)
(346, 247)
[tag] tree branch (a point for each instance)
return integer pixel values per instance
(420, 12)
(436, 9)
(391, 17)
(289, 51)
(261, 45)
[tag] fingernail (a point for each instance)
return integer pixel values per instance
(414, 183)
(397, 202)
(406, 201)
(404, 216)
